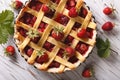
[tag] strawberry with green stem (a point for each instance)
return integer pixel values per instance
(88, 72)
(69, 51)
(57, 33)
(109, 10)
(42, 56)
(9, 50)
(17, 4)
(82, 33)
(32, 33)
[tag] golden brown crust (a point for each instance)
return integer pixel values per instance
(22, 42)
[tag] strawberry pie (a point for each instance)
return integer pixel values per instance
(55, 35)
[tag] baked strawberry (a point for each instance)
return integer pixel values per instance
(17, 4)
(42, 57)
(83, 48)
(29, 52)
(45, 8)
(22, 32)
(73, 12)
(57, 33)
(62, 19)
(82, 33)
(87, 73)
(69, 51)
(10, 50)
(71, 3)
(54, 64)
(42, 26)
(83, 12)
(107, 26)
(69, 40)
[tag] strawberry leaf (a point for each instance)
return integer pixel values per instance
(103, 48)
(6, 25)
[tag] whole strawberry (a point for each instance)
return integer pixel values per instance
(17, 4)
(82, 33)
(108, 10)
(10, 50)
(69, 51)
(87, 73)
(57, 33)
(108, 26)
(73, 12)
(42, 57)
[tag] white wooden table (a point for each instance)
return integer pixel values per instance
(16, 68)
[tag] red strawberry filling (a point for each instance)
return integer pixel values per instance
(35, 40)
(54, 64)
(28, 19)
(83, 12)
(73, 59)
(60, 53)
(70, 4)
(28, 50)
(73, 12)
(62, 19)
(22, 31)
(82, 47)
(50, 14)
(42, 58)
(48, 46)
(56, 1)
(35, 5)
(76, 25)
(42, 27)
(68, 40)
(89, 32)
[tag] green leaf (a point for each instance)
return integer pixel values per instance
(103, 48)
(6, 25)
(6, 15)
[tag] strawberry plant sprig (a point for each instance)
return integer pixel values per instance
(6, 25)
(103, 48)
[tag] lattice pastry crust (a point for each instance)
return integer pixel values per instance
(24, 42)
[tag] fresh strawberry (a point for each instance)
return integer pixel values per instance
(43, 57)
(10, 50)
(82, 33)
(57, 34)
(108, 10)
(45, 9)
(87, 73)
(108, 26)
(73, 12)
(35, 39)
(17, 4)
(69, 51)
